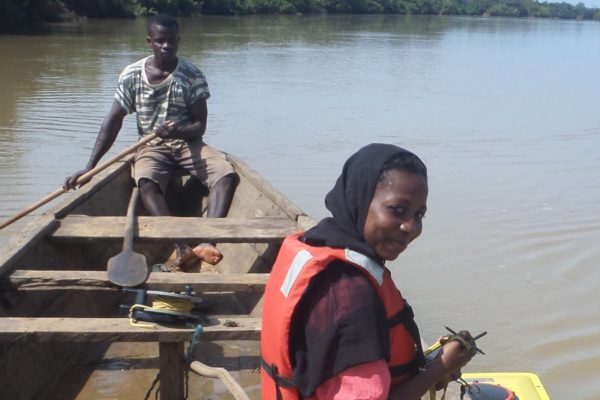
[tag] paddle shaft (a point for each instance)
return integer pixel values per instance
(128, 268)
(83, 178)
(128, 237)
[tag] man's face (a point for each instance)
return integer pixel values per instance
(163, 41)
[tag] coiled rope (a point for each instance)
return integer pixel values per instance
(160, 303)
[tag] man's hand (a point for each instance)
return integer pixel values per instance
(71, 181)
(167, 130)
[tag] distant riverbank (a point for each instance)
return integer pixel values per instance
(20, 17)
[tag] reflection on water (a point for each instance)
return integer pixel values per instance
(504, 112)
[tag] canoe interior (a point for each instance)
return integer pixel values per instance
(42, 248)
(110, 198)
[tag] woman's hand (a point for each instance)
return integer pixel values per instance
(454, 355)
(444, 368)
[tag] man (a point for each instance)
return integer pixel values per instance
(169, 97)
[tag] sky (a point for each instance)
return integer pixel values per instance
(588, 3)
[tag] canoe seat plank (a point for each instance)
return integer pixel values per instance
(120, 330)
(216, 230)
(165, 281)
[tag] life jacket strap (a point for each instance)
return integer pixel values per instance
(280, 381)
(401, 316)
(407, 317)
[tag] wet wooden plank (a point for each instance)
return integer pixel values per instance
(120, 330)
(24, 240)
(216, 230)
(165, 281)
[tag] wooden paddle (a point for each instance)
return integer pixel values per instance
(81, 180)
(128, 268)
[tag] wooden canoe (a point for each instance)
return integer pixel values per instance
(59, 316)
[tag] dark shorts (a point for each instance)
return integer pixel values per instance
(159, 163)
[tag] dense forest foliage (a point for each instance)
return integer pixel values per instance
(18, 15)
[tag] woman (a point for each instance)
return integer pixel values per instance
(334, 324)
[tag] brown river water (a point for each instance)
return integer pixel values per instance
(504, 112)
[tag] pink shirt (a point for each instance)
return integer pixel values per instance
(368, 381)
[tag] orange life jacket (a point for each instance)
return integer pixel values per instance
(297, 263)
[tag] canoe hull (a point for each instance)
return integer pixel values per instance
(53, 269)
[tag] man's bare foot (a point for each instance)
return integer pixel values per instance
(208, 253)
(184, 256)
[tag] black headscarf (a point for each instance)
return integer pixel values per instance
(349, 201)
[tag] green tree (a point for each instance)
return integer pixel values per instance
(173, 7)
(11, 18)
(102, 8)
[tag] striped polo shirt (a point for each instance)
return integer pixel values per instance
(167, 100)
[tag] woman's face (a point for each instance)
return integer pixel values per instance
(395, 216)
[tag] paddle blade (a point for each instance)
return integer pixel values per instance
(128, 269)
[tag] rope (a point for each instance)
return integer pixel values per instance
(154, 382)
(432, 395)
(190, 354)
(172, 304)
(161, 303)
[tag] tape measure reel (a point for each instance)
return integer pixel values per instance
(166, 307)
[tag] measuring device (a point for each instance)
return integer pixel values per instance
(167, 307)
(433, 351)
